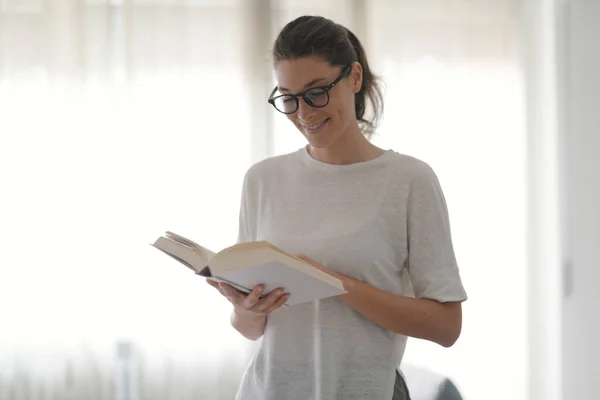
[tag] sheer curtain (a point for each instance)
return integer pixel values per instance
(116, 124)
(454, 98)
(121, 119)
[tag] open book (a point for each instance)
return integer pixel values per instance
(246, 265)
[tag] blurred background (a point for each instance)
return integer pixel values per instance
(120, 119)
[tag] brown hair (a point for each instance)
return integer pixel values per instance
(321, 37)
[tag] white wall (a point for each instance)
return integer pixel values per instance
(544, 300)
(579, 139)
(563, 91)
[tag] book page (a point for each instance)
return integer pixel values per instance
(245, 246)
(260, 244)
(203, 251)
(185, 254)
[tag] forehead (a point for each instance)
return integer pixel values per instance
(296, 74)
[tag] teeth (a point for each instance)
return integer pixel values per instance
(315, 126)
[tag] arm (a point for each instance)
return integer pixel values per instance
(251, 327)
(420, 318)
(436, 312)
(250, 311)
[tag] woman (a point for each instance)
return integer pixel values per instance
(374, 218)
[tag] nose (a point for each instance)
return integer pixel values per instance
(305, 112)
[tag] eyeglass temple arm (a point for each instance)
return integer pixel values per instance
(272, 93)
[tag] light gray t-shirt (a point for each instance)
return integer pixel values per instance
(382, 221)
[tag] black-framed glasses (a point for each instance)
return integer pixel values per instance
(315, 97)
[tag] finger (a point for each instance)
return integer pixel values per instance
(215, 285)
(280, 302)
(228, 287)
(212, 283)
(233, 295)
(268, 300)
(318, 265)
(254, 296)
(305, 258)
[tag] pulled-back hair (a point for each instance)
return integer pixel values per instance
(334, 43)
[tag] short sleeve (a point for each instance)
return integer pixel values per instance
(247, 213)
(431, 262)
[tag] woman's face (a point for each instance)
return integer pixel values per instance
(320, 126)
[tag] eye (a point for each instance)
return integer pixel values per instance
(316, 93)
(317, 97)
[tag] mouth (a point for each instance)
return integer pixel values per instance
(315, 128)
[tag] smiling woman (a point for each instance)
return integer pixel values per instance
(335, 53)
(314, 114)
(373, 218)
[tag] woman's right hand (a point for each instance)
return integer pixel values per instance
(251, 304)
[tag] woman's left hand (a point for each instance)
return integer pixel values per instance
(320, 266)
(346, 281)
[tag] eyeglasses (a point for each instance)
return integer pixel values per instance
(315, 97)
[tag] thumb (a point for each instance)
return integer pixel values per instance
(306, 259)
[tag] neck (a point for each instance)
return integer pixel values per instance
(351, 147)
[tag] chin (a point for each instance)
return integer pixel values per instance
(320, 142)
(321, 137)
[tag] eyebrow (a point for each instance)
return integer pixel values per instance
(282, 89)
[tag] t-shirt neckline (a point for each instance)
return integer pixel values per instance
(312, 162)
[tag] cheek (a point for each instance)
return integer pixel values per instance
(333, 109)
(340, 111)
(341, 104)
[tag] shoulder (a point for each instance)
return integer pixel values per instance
(270, 167)
(411, 168)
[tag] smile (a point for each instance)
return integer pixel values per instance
(315, 126)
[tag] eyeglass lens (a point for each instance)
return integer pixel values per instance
(314, 97)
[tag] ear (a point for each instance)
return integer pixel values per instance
(356, 77)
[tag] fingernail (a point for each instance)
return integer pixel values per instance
(261, 288)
